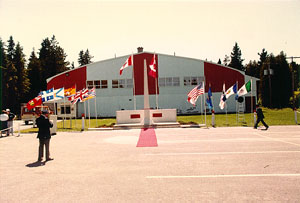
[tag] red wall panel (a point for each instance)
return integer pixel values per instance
(138, 65)
(67, 80)
(216, 75)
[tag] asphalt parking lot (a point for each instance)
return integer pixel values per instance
(236, 164)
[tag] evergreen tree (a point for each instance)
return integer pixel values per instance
(276, 89)
(226, 60)
(252, 69)
(22, 76)
(84, 58)
(52, 59)
(3, 65)
(236, 60)
(34, 75)
(219, 61)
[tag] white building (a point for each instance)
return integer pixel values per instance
(176, 77)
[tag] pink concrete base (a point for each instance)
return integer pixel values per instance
(147, 138)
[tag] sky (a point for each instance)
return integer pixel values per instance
(199, 29)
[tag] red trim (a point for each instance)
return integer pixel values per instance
(138, 64)
(68, 79)
(133, 116)
(157, 115)
(216, 75)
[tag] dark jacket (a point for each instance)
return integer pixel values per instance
(260, 114)
(44, 125)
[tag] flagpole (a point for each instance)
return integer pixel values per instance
(64, 109)
(156, 96)
(133, 81)
(96, 108)
(89, 113)
(204, 101)
(252, 102)
(236, 104)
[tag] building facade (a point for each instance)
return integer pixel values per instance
(176, 77)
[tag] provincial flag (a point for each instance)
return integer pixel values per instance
(232, 90)
(222, 98)
(91, 94)
(246, 88)
(208, 100)
(195, 93)
(34, 102)
(79, 96)
(52, 94)
(70, 91)
(128, 62)
(153, 67)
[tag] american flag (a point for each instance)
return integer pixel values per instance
(195, 93)
(79, 96)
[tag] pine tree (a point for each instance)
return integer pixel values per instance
(22, 76)
(236, 60)
(84, 58)
(219, 62)
(52, 59)
(34, 75)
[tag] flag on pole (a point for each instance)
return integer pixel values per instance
(195, 93)
(153, 67)
(79, 96)
(52, 94)
(128, 62)
(208, 100)
(232, 90)
(91, 94)
(222, 98)
(34, 102)
(70, 91)
(246, 88)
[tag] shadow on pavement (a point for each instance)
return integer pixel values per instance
(36, 164)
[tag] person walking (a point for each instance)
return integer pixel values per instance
(260, 117)
(10, 122)
(44, 125)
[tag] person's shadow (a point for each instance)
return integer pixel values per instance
(36, 164)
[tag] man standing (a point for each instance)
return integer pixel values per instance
(260, 117)
(10, 121)
(44, 125)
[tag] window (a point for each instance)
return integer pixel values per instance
(122, 83)
(191, 81)
(103, 84)
(67, 110)
(115, 83)
(169, 81)
(90, 84)
(98, 84)
(129, 83)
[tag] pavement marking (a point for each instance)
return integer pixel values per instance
(276, 139)
(227, 176)
(219, 153)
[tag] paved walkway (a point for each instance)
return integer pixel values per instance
(237, 164)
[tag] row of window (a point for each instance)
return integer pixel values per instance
(128, 83)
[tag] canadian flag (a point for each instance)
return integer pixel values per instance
(128, 62)
(153, 67)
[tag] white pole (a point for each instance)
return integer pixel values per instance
(89, 113)
(204, 102)
(96, 113)
(252, 103)
(156, 92)
(133, 81)
(147, 121)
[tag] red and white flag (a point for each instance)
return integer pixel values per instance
(195, 93)
(128, 62)
(34, 102)
(79, 96)
(153, 67)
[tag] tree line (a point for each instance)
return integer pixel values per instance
(22, 80)
(279, 79)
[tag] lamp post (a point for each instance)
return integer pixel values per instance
(269, 72)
